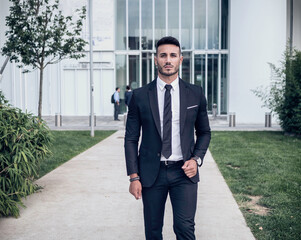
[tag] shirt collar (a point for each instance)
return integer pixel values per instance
(161, 84)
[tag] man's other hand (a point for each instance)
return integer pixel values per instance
(136, 189)
(190, 168)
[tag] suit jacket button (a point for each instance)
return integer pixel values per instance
(159, 154)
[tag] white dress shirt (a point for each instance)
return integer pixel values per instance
(176, 152)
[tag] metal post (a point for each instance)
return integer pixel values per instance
(232, 119)
(3, 67)
(91, 121)
(125, 115)
(91, 66)
(268, 119)
(58, 120)
(214, 110)
(291, 26)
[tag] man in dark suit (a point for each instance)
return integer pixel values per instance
(168, 110)
(127, 96)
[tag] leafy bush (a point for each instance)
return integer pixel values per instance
(24, 142)
(283, 96)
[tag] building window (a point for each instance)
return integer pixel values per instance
(160, 19)
(186, 24)
(201, 26)
(200, 70)
(121, 72)
(133, 39)
(173, 18)
(213, 24)
(120, 28)
(187, 67)
(147, 24)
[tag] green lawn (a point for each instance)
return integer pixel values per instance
(67, 144)
(263, 171)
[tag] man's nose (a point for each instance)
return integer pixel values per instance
(168, 62)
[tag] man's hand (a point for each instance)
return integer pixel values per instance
(136, 189)
(190, 168)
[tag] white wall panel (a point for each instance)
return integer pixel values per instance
(257, 36)
(31, 91)
(68, 93)
(107, 89)
(83, 93)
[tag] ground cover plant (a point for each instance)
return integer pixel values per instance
(24, 144)
(67, 144)
(263, 170)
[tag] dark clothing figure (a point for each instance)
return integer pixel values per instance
(116, 111)
(127, 97)
(167, 114)
(158, 179)
(116, 104)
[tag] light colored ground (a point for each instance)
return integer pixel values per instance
(87, 198)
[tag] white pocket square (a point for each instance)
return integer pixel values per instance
(194, 106)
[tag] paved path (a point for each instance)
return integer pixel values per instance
(87, 198)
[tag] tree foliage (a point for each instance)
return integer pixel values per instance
(39, 34)
(24, 143)
(283, 96)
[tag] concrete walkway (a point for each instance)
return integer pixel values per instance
(87, 198)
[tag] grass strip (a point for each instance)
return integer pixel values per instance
(68, 144)
(263, 171)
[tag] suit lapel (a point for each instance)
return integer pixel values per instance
(184, 95)
(153, 101)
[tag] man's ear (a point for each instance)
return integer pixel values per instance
(156, 61)
(181, 59)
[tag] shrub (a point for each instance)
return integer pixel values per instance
(283, 96)
(24, 142)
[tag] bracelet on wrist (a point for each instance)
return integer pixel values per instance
(134, 179)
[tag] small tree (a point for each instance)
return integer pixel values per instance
(40, 35)
(283, 96)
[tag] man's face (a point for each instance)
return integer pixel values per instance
(168, 59)
(118, 90)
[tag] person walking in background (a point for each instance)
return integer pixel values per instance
(116, 104)
(168, 110)
(128, 96)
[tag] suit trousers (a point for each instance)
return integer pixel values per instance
(116, 111)
(183, 196)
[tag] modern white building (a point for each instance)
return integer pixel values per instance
(226, 44)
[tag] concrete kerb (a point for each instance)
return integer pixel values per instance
(107, 123)
(87, 198)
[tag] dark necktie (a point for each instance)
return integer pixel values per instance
(166, 146)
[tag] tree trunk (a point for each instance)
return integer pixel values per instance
(40, 94)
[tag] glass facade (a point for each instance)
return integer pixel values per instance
(199, 70)
(133, 39)
(201, 26)
(186, 24)
(147, 24)
(120, 19)
(147, 70)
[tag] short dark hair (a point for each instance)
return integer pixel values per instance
(128, 87)
(168, 40)
(117, 88)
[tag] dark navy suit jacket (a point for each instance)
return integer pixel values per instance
(144, 113)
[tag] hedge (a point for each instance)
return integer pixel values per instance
(24, 143)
